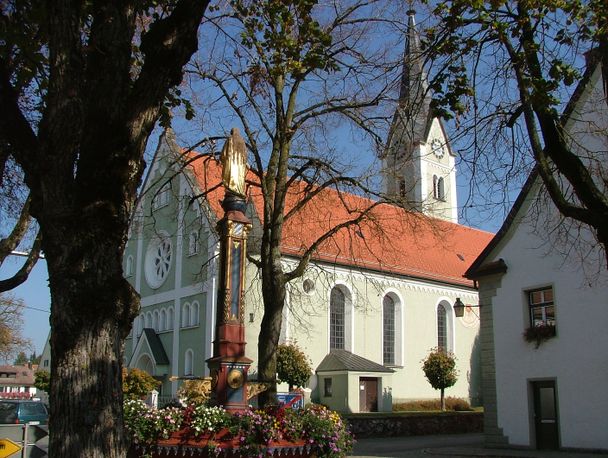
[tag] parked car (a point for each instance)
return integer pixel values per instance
(15, 411)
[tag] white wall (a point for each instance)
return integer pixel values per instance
(576, 357)
(308, 326)
(536, 255)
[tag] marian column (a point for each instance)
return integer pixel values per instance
(229, 366)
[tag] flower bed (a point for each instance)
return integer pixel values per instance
(211, 431)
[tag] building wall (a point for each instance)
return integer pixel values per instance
(541, 249)
(308, 326)
(575, 358)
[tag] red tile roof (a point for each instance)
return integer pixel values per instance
(389, 240)
(16, 376)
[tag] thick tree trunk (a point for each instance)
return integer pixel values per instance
(273, 291)
(87, 347)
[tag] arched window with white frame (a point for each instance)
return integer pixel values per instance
(155, 320)
(441, 189)
(170, 318)
(149, 320)
(392, 329)
(336, 319)
(162, 323)
(129, 266)
(141, 324)
(388, 331)
(193, 243)
(194, 310)
(188, 362)
(445, 326)
(340, 318)
(186, 315)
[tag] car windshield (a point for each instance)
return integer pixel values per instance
(8, 412)
(32, 408)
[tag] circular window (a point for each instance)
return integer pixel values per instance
(158, 260)
(308, 285)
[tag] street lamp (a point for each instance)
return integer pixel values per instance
(459, 307)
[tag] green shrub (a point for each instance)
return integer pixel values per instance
(293, 366)
(137, 384)
(43, 381)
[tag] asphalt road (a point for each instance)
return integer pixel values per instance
(413, 446)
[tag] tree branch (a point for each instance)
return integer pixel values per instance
(11, 242)
(26, 268)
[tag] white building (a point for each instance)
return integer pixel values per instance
(544, 270)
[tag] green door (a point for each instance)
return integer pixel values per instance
(545, 415)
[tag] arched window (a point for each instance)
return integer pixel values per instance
(162, 324)
(170, 318)
(188, 360)
(186, 315)
(336, 319)
(148, 320)
(402, 190)
(162, 197)
(193, 242)
(194, 313)
(442, 328)
(136, 326)
(440, 189)
(129, 267)
(435, 193)
(141, 325)
(388, 331)
(155, 320)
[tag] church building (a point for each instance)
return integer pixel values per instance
(376, 298)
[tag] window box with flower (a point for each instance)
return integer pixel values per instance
(539, 333)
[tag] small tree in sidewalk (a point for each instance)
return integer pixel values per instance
(293, 366)
(440, 370)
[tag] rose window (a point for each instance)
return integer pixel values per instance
(158, 261)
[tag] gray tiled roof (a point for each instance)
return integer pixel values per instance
(156, 346)
(342, 360)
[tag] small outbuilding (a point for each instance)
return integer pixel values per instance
(350, 383)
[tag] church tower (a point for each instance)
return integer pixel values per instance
(418, 163)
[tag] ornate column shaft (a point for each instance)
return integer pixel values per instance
(229, 366)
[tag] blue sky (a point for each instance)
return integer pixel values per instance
(35, 291)
(36, 295)
(37, 298)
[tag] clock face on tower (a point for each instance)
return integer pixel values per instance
(437, 148)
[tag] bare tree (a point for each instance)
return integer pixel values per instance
(82, 84)
(509, 69)
(291, 73)
(11, 326)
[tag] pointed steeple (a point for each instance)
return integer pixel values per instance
(414, 96)
(418, 166)
(412, 117)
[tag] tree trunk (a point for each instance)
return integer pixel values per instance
(442, 400)
(85, 269)
(273, 290)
